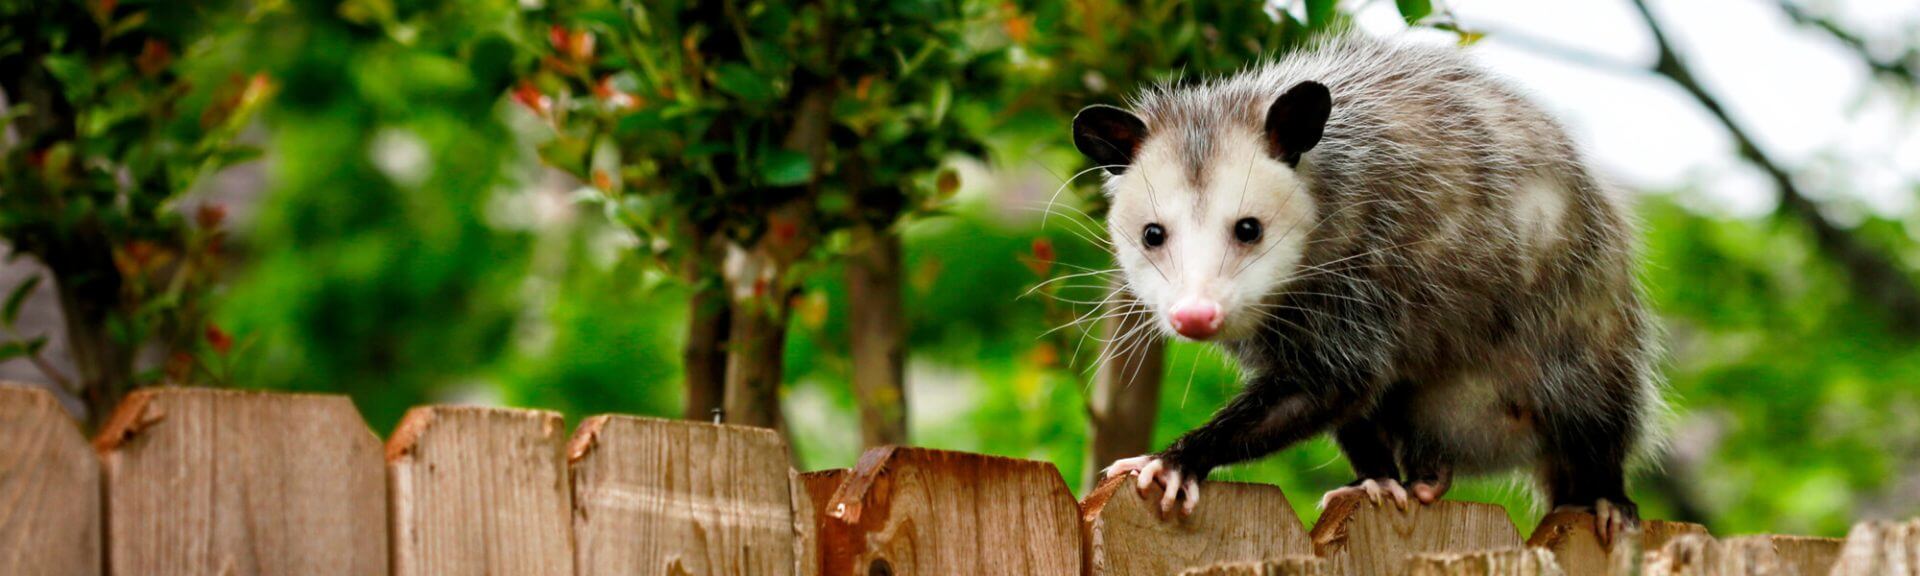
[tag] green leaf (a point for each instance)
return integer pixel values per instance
(743, 83)
(1414, 10)
(72, 73)
(11, 311)
(11, 350)
(942, 100)
(785, 168)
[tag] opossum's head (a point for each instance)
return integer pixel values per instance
(1208, 217)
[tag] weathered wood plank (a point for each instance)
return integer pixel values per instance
(1364, 539)
(1881, 549)
(1695, 555)
(1808, 555)
(676, 497)
(1125, 534)
(50, 480)
(480, 491)
(817, 488)
(1515, 562)
(1288, 566)
(1571, 537)
(916, 511)
(240, 483)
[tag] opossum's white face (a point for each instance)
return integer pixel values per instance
(1208, 220)
(1205, 255)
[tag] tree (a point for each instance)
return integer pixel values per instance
(775, 138)
(118, 111)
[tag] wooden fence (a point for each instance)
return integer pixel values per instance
(194, 481)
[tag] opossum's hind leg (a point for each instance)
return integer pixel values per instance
(1584, 468)
(1371, 453)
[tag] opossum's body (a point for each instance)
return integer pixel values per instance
(1435, 276)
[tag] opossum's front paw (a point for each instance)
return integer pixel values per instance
(1379, 490)
(1183, 490)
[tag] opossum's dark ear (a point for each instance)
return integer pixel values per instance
(1296, 120)
(1109, 136)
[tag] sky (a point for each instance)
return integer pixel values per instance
(1809, 102)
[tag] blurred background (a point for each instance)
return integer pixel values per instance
(864, 223)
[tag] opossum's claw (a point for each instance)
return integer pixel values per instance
(1613, 521)
(1377, 490)
(1126, 466)
(1180, 488)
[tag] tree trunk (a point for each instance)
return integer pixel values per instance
(704, 357)
(756, 341)
(104, 365)
(1126, 393)
(877, 320)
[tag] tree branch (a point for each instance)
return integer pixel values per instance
(1902, 69)
(1873, 277)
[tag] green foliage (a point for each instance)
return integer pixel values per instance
(119, 110)
(385, 268)
(691, 119)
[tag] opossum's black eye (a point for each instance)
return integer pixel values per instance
(1153, 236)
(1247, 230)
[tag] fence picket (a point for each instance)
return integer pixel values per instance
(1570, 536)
(1515, 562)
(656, 496)
(479, 491)
(202, 481)
(1881, 549)
(1126, 535)
(1288, 566)
(50, 479)
(1365, 539)
(916, 511)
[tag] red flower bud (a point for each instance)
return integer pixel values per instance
(154, 58)
(784, 230)
(528, 95)
(219, 339)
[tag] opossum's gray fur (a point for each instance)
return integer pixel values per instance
(1480, 324)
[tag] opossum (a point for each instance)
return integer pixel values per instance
(1399, 248)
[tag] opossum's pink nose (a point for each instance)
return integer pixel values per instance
(1196, 319)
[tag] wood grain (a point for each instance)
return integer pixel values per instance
(1570, 536)
(1126, 535)
(240, 483)
(814, 490)
(681, 498)
(1363, 539)
(1515, 562)
(50, 482)
(1880, 549)
(1288, 566)
(1695, 555)
(916, 511)
(480, 491)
